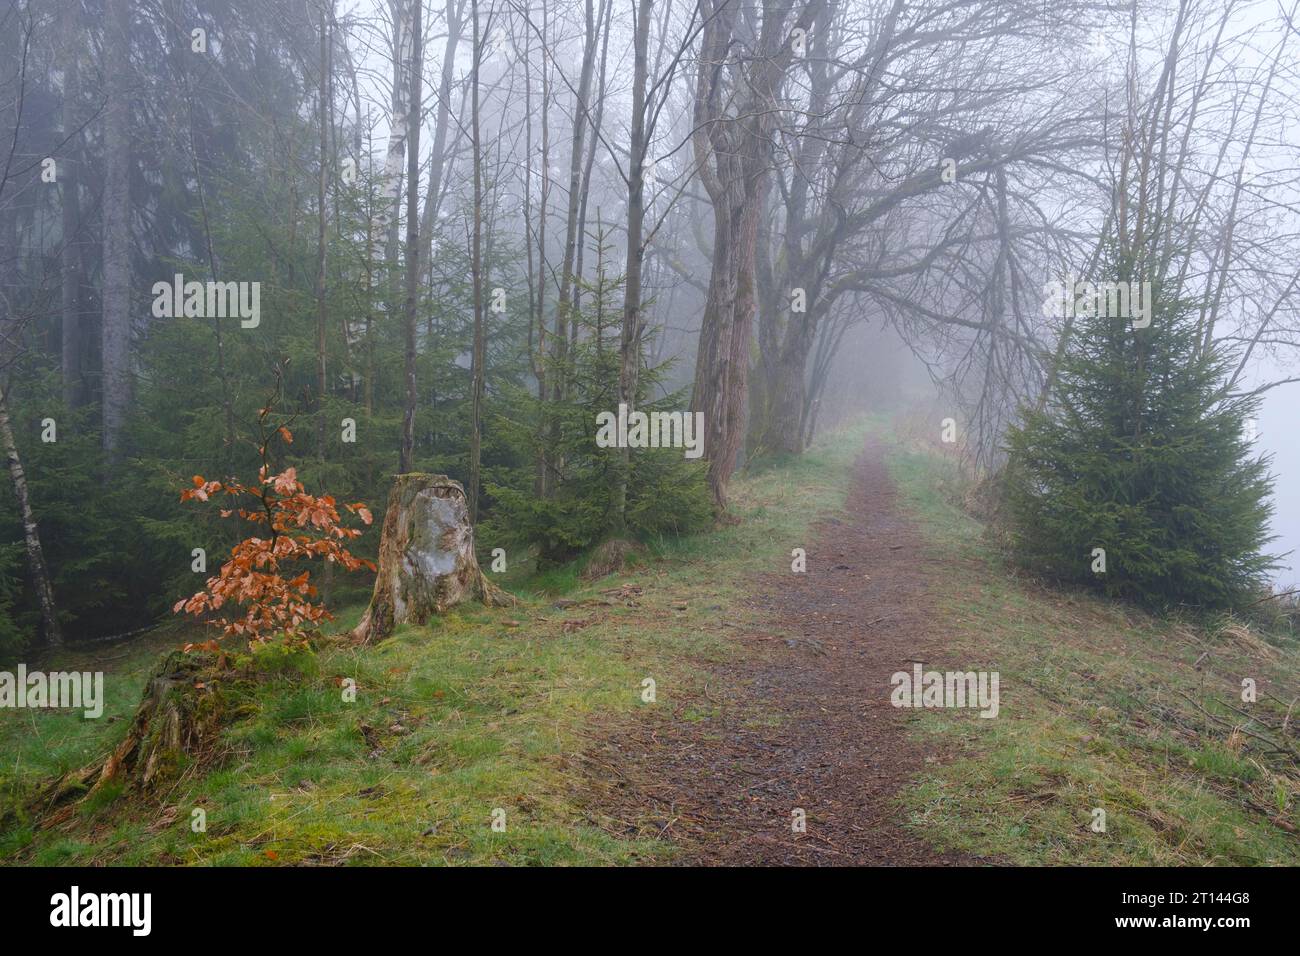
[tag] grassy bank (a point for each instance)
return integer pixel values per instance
(483, 710)
(1102, 707)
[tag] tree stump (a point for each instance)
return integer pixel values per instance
(177, 723)
(426, 557)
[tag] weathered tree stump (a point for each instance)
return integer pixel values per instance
(426, 557)
(178, 721)
(179, 717)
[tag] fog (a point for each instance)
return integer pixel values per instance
(467, 222)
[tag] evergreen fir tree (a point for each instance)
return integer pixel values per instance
(1140, 452)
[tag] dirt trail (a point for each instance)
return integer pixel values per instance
(725, 788)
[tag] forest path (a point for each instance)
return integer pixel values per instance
(725, 788)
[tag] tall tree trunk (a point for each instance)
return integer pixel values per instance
(592, 142)
(31, 534)
(369, 333)
(788, 372)
(116, 330)
(630, 340)
(325, 97)
(731, 141)
(442, 126)
(399, 127)
(770, 322)
(581, 104)
(69, 257)
(544, 464)
(412, 233)
(536, 318)
(722, 363)
(181, 61)
(476, 267)
(816, 190)
(357, 341)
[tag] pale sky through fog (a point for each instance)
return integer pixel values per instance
(1277, 436)
(1255, 30)
(1277, 415)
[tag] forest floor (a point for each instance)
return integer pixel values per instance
(831, 637)
(771, 696)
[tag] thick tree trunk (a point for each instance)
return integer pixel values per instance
(785, 370)
(31, 534)
(789, 393)
(721, 388)
(116, 331)
(426, 557)
(732, 146)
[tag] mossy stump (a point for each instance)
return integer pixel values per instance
(177, 722)
(426, 557)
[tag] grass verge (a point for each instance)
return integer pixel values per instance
(1102, 708)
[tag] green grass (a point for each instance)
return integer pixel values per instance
(491, 709)
(1099, 709)
(487, 709)
(483, 710)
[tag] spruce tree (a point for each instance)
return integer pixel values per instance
(666, 493)
(1141, 452)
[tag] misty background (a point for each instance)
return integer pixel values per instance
(777, 212)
